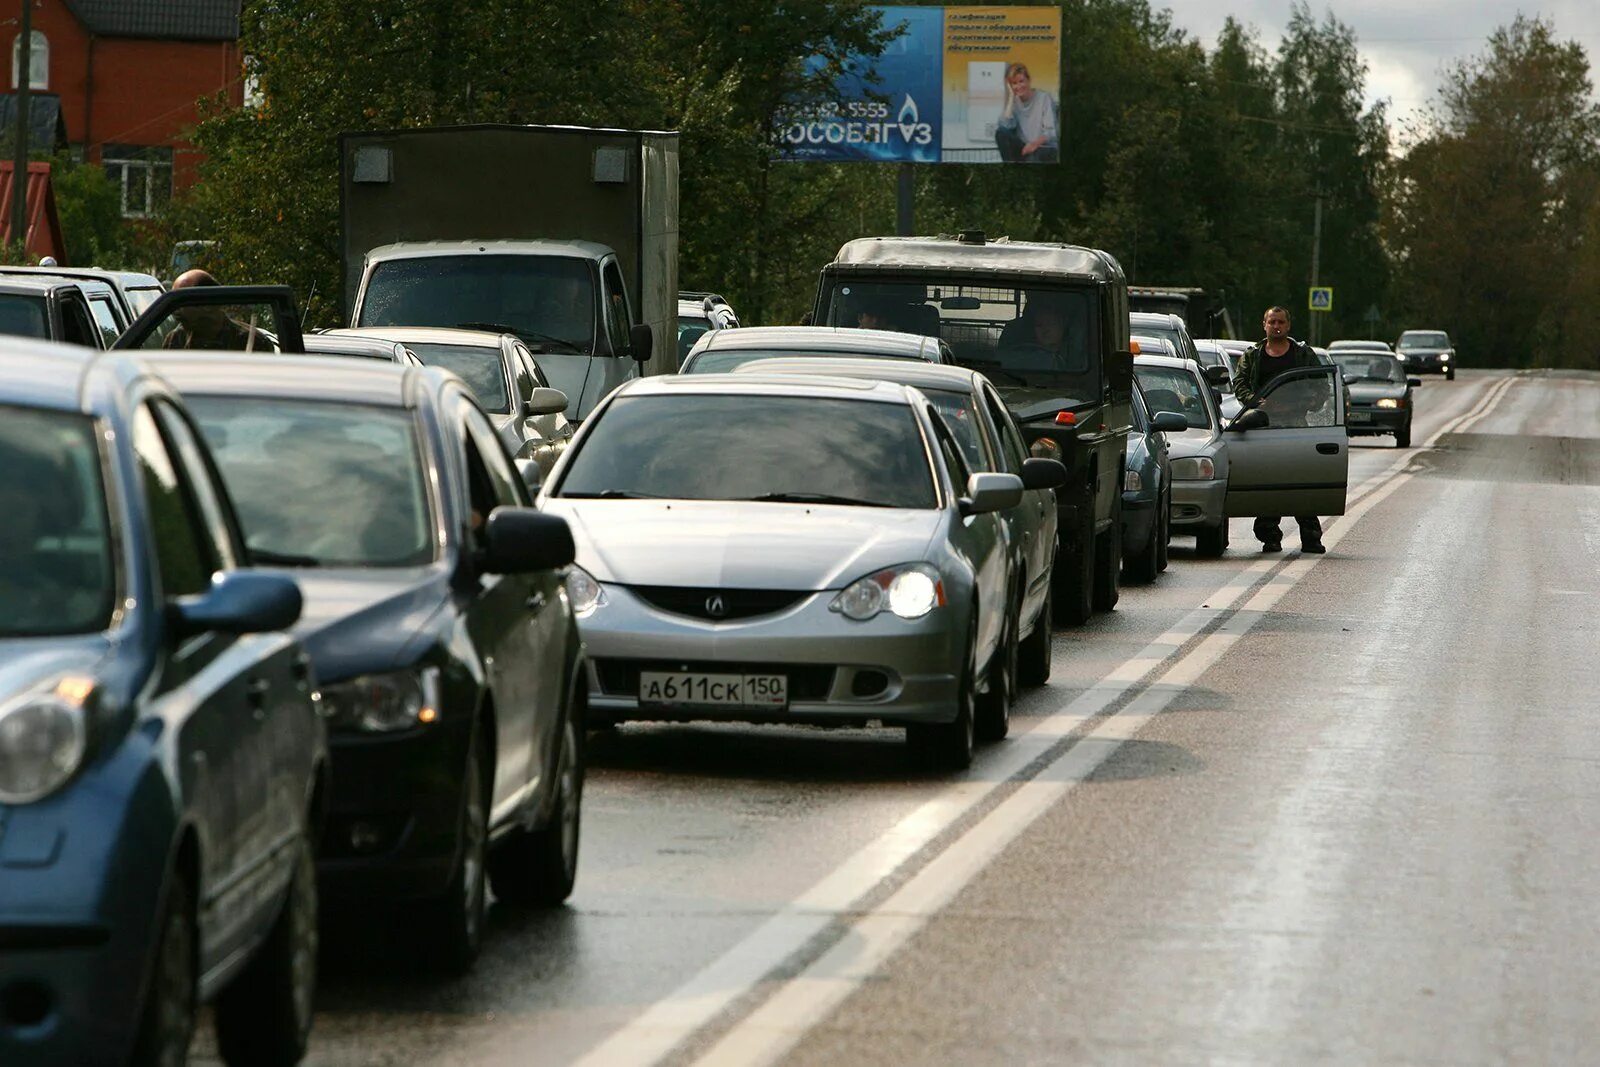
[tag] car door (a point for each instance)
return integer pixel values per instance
(1299, 464)
(77, 324)
(255, 318)
(983, 543)
(616, 316)
(1037, 512)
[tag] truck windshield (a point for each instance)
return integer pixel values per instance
(1034, 336)
(23, 316)
(548, 301)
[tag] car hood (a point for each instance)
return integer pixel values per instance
(1191, 443)
(356, 621)
(1029, 402)
(740, 544)
(1367, 392)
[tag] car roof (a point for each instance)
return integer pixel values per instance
(438, 335)
(1000, 254)
(1164, 346)
(1210, 345)
(768, 385)
(128, 279)
(1176, 362)
(39, 286)
(826, 338)
(901, 371)
(332, 378)
(371, 347)
(87, 282)
(1155, 318)
(497, 246)
(1360, 344)
(46, 374)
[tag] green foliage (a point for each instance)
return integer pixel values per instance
(89, 205)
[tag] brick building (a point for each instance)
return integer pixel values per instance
(130, 74)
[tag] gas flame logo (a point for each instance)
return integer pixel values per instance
(909, 118)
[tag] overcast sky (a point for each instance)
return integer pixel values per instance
(1406, 44)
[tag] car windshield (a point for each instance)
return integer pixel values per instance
(56, 571)
(23, 316)
(478, 365)
(799, 449)
(1038, 337)
(548, 301)
(690, 330)
(1424, 340)
(1210, 357)
(1172, 389)
(730, 359)
(1369, 367)
(956, 408)
(320, 484)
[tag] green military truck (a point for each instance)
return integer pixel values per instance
(1048, 325)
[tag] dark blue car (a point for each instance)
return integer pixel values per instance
(1147, 491)
(161, 754)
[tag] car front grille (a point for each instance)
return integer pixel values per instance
(807, 681)
(717, 605)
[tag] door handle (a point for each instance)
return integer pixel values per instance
(1328, 449)
(534, 602)
(256, 690)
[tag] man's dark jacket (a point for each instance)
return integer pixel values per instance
(1256, 368)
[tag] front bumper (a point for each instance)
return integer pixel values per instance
(1430, 363)
(839, 671)
(1199, 502)
(1363, 421)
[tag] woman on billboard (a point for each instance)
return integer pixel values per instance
(1027, 131)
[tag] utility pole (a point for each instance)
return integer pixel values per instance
(1316, 267)
(19, 159)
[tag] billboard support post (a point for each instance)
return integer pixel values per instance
(905, 221)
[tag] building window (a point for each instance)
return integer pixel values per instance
(38, 61)
(143, 174)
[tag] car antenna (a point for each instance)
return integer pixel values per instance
(306, 310)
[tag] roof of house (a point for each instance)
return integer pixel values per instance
(175, 20)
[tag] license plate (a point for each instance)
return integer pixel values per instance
(674, 689)
(1360, 416)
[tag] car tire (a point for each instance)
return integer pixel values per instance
(1450, 375)
(993, 706)
(1108, 568)
(263, 1017)
(947, 746)
(1164, 539)
(166, 1022)
(1402, 436)
(453, 923)
(1033, 651)
(1073, 591)
(1142, 566)
(1210, 542)
(538, 868)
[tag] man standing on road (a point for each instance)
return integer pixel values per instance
(1277, 354)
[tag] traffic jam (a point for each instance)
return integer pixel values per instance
(306, 624)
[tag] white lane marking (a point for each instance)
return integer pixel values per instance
(798, 1004)
(668, 1022)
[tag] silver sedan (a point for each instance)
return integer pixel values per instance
(1199, 454)
(719, 578)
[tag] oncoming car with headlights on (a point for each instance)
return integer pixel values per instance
(161, 756)
(721, 576)
(449, 659)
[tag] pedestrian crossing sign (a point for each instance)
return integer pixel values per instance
(1321, 298)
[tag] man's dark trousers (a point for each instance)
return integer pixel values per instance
(1268, 532)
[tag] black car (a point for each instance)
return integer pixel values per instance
(161, 757)
(1427, 350)
(1147, 491)
(436, 618)
(1380, 395)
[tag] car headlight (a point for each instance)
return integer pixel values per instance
(383, 703)
(909, 591)
(1194, 468)
(1045, 448)
(1444, 356)
(1390, 402)
(1132, 482)
(42, 740)
(584, 591)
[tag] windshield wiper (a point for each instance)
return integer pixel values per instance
(612, 494)
(281, 559)
(815, 498)
(531, 336)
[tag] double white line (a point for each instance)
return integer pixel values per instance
(855, 938)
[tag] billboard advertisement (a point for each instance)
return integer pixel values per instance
(954, 85)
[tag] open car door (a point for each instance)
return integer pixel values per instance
(1299, 462)
(228, 318)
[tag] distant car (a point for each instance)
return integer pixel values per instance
(323, 344)
(1427, 350)
(508, 381)
(723, 351)
(1147, 491)
(134, 291)
(788, 550)
(700, 314)
(49, 309)
(1168, 327)
(162, 760)
(990, 441)
(449, 660)
(1359, 346)
(1198, 453)
(1380, 394)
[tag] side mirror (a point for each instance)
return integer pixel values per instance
(1218, 378)
(239, 602)
(518, 540)
(1169, 422)
(991, 492)
(1250, 419)
(532, 475)
(1413, 382)
(545, 401)
(1040, 473)
(643, 342)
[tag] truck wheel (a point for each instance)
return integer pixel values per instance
(1210, 542)
(1033, 652)
(539, 867)
(1072, 580)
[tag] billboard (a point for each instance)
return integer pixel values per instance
(954, 85)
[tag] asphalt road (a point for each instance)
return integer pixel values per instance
(1273, 809)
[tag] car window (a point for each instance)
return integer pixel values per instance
(506, 483)
(480, 366)
(1301, 398)
(616, 309)
(56, 565)
(105, 317)
(185, 553)
(548, 301)
(532, 368)
(522, 376)
(1174, 389)
(1011, 443)
(959, 415)
(317, 483)
(141, 299)
(954, 461)
(749, 446)
(77, 327)
(690, 330)
(1368, 366)
(198, 475)
(245, 327)
(23, 316)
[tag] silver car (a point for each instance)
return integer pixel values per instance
(718, 578)
(721, 351)
(1199, 455)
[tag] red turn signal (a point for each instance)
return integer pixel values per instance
(1066, 418)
